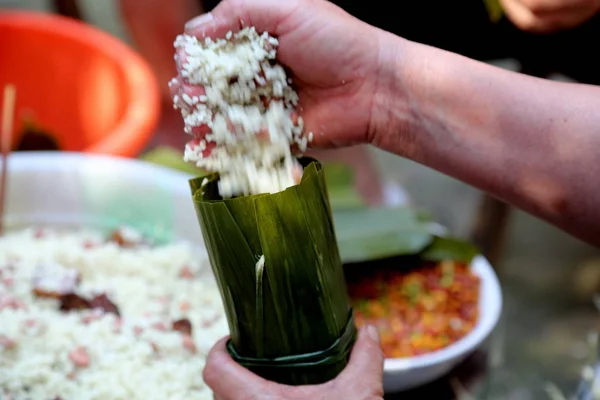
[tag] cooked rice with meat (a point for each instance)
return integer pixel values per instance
(85, 317)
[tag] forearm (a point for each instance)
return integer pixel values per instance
(531, 142)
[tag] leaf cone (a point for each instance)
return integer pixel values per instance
(289, 316)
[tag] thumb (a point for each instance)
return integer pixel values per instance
(233, 15)
(364, 372)
(228, 379)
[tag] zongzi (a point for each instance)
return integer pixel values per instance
(277, 264)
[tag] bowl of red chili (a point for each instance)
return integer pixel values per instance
(430, 315)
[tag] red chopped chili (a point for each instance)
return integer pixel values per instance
(418, 311)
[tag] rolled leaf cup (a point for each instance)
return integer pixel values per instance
(324, 365)
(288, 312)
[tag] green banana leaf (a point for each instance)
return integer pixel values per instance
(446, 248)
(171, 158)
(281, 279)
(340, 185)
(494, 9)
(424, 216)
(377, 233)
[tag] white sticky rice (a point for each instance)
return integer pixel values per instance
(136, 356)
(249, 106)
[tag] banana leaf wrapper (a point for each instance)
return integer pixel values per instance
(288, 313)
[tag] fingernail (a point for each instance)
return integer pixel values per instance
(198, 21)
(372, 333)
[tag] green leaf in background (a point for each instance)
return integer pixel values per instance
(341, 188)
(376, 233)
(449, 249)
(344, 198)
(171, 158)
(424, 216)
(494, 9)
(338, 174)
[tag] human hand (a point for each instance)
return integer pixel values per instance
(547, 16)
(334, 59)
(362, 379)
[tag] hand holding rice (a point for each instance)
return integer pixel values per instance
(246, 104)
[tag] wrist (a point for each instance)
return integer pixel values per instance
(395, 120)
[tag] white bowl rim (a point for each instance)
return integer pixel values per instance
(19, 161)
(490, 309)
(490, 295)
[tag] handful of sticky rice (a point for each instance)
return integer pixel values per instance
(249, 109)
(265, 215)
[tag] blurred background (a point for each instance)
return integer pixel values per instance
(548, 278)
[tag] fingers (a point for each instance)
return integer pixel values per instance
(200, 147)
(187, 95)
(233, 15)
(364, 372)
(547, 16)
(541, 7)
(200, 131)
(229, 380)
(525, 19)
(362, 378)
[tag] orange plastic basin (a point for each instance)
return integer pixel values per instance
(87, 88)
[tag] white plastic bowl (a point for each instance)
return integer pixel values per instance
(407, 373)
(104, 192)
